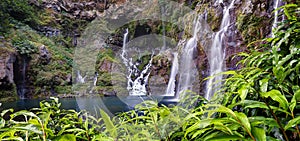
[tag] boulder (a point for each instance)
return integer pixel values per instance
(45, 55)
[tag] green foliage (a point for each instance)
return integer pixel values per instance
(20, 10)
(4, 22)
(152, 122)
(260, 101)
(49, 122)
(24, 46)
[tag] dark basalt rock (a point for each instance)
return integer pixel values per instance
(45, 55)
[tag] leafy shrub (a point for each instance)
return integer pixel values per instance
(260, 101)
(147, 122)
(49, 122)
(20, 10)
(24, 47)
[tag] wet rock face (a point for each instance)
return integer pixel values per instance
(250, 20)
(160, 72)
(49, 31)
(83, 9)
(6, 69)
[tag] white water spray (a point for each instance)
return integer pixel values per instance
(188, 69)
(80, 79)
(137, 80)
(172, 81)
(276, 12)
(217, 55)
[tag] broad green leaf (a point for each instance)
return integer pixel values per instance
(24, 113)
(256, 104)
(108, 123)
(277, 96)
(34, 122)
(45, 117)
(243, 92)
(199, 125)
(292, 123)
(220, 108)
(30, 128)
(294, 100)
(244, 54)
(259, 134)
(199, 132)
(279, 73)
(223, 128)
(259, 120)
(230, 72)
(212, 134)
(264, 84)
(286, 58)
(243, 120)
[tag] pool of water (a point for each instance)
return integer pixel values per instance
(112, 104)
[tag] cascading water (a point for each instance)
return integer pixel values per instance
(79, 78)
(216, 55)
(137, 80)
(276, 12)
(172, 80)
(22, 85)
(188, 69)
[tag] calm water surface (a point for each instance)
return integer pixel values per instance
(112, 105)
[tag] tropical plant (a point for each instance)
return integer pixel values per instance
(260, 101)
(152, 121)
(148, 121)
(49, 122)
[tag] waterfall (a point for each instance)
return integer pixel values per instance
(137, 80)
(275, 22)
(79, 78)
(216, 55)
(172, 80)
(22, 85)
(123, 55)
(95, 79)
(188, 69)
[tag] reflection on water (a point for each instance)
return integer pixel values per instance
(111, 105)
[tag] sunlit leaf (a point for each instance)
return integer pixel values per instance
(277, 96)
(259, 134)
(292, 123)
(243, 92)
(294, 100)
(108, 123)
(67, 137)
(30, 128)
(263, 85)
(243, 120)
